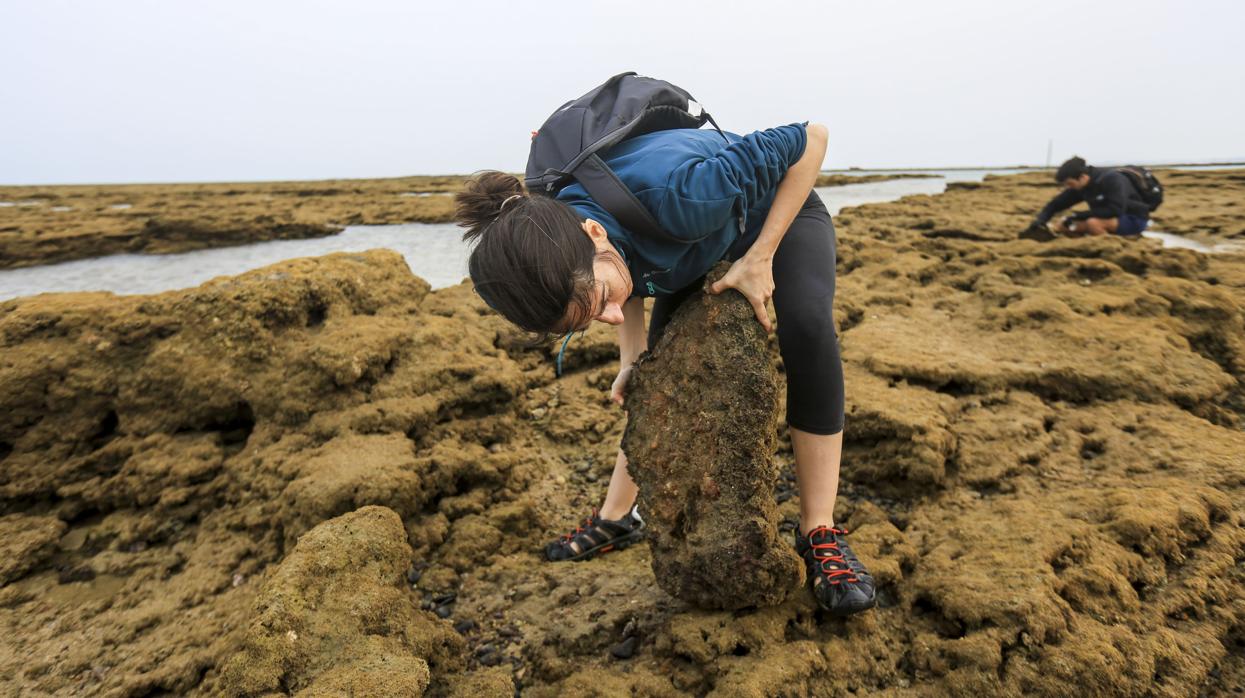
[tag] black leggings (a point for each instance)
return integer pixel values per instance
(804, 302)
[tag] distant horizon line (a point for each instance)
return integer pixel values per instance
(1233, 162)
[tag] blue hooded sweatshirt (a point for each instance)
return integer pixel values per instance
(712, 196)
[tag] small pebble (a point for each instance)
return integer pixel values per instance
(625, 649)
(448, 597)
(413, 574)
(442, 611)
(464, 626)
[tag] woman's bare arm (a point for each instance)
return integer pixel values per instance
(632, 338)
(632, 341)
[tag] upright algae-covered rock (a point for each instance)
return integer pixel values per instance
(336, 618)
(700, 441)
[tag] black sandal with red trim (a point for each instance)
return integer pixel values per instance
(594, 536)
(840, 581)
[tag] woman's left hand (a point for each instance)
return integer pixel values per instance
(752, 276)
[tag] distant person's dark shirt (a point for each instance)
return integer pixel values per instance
(1109, 195)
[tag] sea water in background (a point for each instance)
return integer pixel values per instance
(433, 251)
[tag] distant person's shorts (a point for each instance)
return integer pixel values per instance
(1131, 225)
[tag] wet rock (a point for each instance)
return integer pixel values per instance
(336, 618)
(700, 439)
(413, 574)
(625, 649)
(488, 655)
(81, 573)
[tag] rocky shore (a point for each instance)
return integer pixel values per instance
(46, 224)
(322, 477)
(838, 180)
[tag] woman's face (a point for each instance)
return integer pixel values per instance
(611, 282)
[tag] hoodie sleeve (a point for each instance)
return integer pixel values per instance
(1063, 200)
(704, 194)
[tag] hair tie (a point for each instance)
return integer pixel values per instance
(508, 200)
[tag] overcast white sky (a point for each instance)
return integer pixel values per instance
(143, 91)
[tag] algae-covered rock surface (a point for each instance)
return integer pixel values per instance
(838, 180)
(1044, 468)
(336, 618)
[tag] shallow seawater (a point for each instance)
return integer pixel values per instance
(434, 252)
(1183, 243)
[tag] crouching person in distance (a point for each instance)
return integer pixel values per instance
(1115, 206)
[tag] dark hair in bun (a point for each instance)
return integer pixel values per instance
(531, 261)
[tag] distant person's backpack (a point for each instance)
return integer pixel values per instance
(566, 147)
(1146, 184)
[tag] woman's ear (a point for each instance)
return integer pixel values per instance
(594, 230)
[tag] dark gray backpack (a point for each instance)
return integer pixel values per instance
(1145, 184)
(568, 145)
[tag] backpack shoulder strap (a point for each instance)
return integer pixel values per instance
(608, 190)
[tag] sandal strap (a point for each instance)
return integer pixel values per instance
(596, 531)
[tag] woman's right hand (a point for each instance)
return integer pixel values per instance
(619, 389)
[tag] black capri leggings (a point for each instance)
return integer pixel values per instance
(804, 302)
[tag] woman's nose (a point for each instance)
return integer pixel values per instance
(612, 315)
